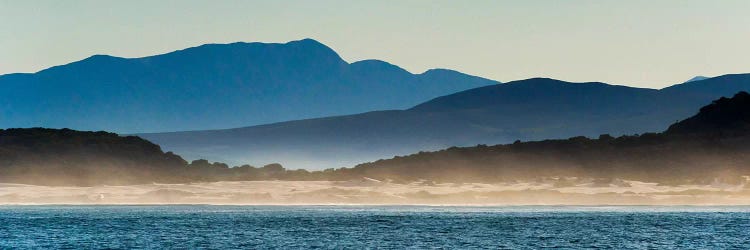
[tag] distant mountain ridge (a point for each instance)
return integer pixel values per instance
(532, 109)
(215, 86)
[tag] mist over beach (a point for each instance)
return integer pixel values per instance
(374, 124)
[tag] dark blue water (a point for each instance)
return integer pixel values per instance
(373, 227)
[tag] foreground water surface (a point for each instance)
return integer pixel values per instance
(204, 226)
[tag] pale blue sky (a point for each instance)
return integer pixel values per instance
(637, 43)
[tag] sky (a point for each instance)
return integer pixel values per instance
(637, 43)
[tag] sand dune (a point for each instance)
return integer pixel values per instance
(371, 191)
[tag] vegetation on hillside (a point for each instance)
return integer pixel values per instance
(712, 145)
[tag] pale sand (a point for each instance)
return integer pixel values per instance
(370, 191)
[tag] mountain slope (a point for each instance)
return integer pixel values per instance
(712, 145)
(723, 116)
(215, 86)
(67, 157)
(533, 109)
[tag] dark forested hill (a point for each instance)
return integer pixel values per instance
(532, 109)
(714, 144)
(68, 157)
(215, 86)
(709, 146)
(64, 157)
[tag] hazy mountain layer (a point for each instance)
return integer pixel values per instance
(215, 86)
(533, 109)
(712, 146)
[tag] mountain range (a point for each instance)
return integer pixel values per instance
(292, 103)
(710, 147)
(215, 86)
(532, 109)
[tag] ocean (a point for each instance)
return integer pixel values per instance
(380, 227)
